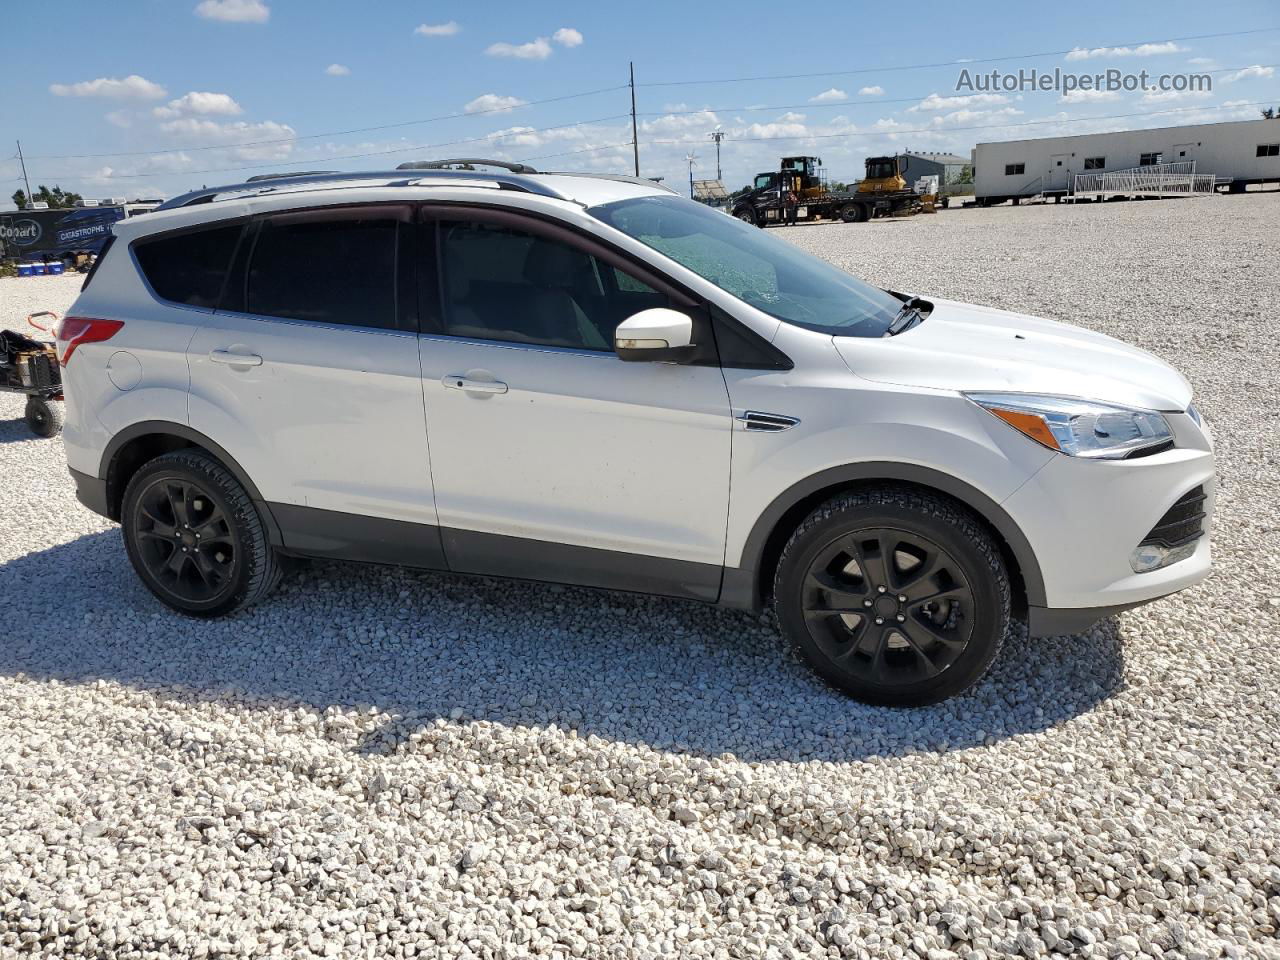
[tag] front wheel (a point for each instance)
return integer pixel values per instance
(853, 213)
(44, 419)
(195, 537)
(746, 216)
(895, 596)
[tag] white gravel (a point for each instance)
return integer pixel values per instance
(379, 763)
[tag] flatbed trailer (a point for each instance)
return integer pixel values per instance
(797, 194)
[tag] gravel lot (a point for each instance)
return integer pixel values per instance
(383, 763)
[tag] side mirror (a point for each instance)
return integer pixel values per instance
(657, 334)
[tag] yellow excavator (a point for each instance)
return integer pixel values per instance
(796, 193)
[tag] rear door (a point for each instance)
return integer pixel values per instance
(308, 376)
(552, 458)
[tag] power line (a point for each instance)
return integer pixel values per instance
(519, 131)
(317, 136)
(947, 63)
(896, 131)
(869, 101)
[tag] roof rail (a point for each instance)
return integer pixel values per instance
(286, 175)
(389, 178)
(469, 161)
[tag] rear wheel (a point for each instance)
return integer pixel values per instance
(195, 537)
(43, 417)
(894, 596)
(853, 213)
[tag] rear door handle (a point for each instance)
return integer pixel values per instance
(237, 359)
(473, 386)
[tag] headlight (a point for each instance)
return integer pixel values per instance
(1078, 428)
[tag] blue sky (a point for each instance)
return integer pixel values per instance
(153, 97)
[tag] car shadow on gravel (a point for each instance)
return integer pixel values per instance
(421, 647)
(16, 431)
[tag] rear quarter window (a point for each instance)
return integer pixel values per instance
(189, 267)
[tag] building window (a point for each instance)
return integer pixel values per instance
(1269, 149)
(1151, 159)
(1016, 169)
(1095, 163)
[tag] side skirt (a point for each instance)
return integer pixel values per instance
(311, 532)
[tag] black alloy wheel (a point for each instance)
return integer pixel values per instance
(894, 595)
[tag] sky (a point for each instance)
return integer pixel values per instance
(148, 98)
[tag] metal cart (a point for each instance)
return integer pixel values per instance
(30, 367)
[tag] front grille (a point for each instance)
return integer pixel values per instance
(1182, 523)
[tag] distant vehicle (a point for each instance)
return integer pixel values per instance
(587, 379)
(796, 193)
(63, 233)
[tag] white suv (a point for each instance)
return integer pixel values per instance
(587, 379)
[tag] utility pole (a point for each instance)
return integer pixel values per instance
(635, 142)
(23, 163)
(717, 136)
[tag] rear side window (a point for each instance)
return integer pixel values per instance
(189, 267)
(326, 269)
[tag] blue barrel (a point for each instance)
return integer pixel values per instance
(25, 269)
(37, 270)
(56, 268)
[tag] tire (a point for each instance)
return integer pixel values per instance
(43, 416)
(226, 562)
(853, 213)
(827, 596)
(747, 216)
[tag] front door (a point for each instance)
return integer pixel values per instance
(552, 458)
(1058, 176)
(310, 381)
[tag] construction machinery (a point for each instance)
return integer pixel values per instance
(798, 192)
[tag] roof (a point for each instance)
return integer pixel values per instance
(935, 157)
(1132, 130)
(586, 189)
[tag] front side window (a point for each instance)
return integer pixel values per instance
(1095, 163)
(189, 267)
(326, 268)
(765, 180)
(754, 266)
(1014, 169)
(503, 283)
(1150, 159)
(1269, 149)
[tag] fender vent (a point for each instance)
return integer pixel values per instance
(767, 422)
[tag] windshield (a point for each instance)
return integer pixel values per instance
(759, 269)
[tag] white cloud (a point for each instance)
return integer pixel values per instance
(875, 91)
(492, 103)
(120, 118)
(567, 37)
(202, 131)
(337, 70)
(537, 49)
(1261, 72)
(132, 87)
(1142, 50)
(234, 11)
(827, 96)
(1168, 96)
(1201, 61)
(437, 29)
(196, 102)
(965, 117)
(1090, 96)
(935, 102)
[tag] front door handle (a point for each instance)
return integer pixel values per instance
(468, 385)
(236, 359)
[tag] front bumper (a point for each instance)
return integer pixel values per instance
(1084, 518)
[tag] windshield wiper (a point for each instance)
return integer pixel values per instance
(907, 317)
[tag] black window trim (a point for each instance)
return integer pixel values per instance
(1015, 169)
(407, 308)
(177, 232)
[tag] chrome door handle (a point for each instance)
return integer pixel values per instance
(236, 359)
(473, 386)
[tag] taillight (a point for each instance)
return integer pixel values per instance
(77, 330)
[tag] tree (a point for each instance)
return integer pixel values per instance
(55, 198)
(964, 176)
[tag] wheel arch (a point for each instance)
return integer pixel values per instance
(749, 584)
(140, 442)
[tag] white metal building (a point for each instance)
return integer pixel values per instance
(1243, 151)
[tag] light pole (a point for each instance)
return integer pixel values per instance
(717, 135)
